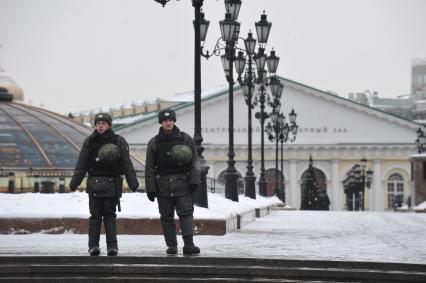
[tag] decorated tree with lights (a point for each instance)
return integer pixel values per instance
(311, 191)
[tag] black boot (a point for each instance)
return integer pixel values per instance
(189, 247)
(171, 250)
(112, 252)
(94, 251)
(112, 248)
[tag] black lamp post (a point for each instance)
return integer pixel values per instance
(200, 30)
(273, 135)
(281, 131)
(366, 179)
(247, 82)
(357, 179)
(262, 98)
(285, 132)
(421, 141)
(262, 116)
(247, 85)
(229, 29)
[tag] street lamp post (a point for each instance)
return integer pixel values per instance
(247, 85)
(357, 179)
(229, 28)
(200, 32)
(247, 82)
(281, 131)
(263, 28)
(262, 98)
(273, 135)
(262, 116)
(366, 179)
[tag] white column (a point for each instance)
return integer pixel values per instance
(294, 191)
(378, 192)
(287, 190)
(336, 190)
(413, 182)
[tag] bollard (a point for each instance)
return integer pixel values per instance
(36, 183)
(11, 188)
(61, 185)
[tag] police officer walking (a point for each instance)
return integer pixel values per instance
(105, 157)
(172, 174)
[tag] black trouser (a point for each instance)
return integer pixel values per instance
(102, 207)
(184, 209)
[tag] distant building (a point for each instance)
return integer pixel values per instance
(336, 131)
(411, 106)
(418, 79)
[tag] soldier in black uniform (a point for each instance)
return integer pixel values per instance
(172, 174)
(105, 156)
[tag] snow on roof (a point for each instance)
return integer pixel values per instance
(187, 96)
(183, 97)
(418, 155)
(133, 119)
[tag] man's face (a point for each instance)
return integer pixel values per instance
(168, 125)
(102, 126)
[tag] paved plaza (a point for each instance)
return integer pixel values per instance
(301, 235)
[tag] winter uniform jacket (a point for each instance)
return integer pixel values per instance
(162, 174)
(104, 180)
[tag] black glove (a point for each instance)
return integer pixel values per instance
(134, 190)
(72, 189)
(193, 187)
(151, 195)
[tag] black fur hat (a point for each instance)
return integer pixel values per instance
(166, 114)
(103, 117)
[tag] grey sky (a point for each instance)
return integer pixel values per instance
(74, 55)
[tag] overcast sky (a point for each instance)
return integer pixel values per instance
(74, 55)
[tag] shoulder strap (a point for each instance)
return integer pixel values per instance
(186, 137)
(156, 141)
(119, 139)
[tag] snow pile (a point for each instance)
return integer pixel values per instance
(133, 205)
(421, 206)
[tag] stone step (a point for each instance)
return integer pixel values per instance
(200, 269)
(142, 279)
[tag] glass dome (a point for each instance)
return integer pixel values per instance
(35, 141)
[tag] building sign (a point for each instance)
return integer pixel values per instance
(302, 130)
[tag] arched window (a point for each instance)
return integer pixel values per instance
(395, 189)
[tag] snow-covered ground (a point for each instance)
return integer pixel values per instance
(319, 235)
